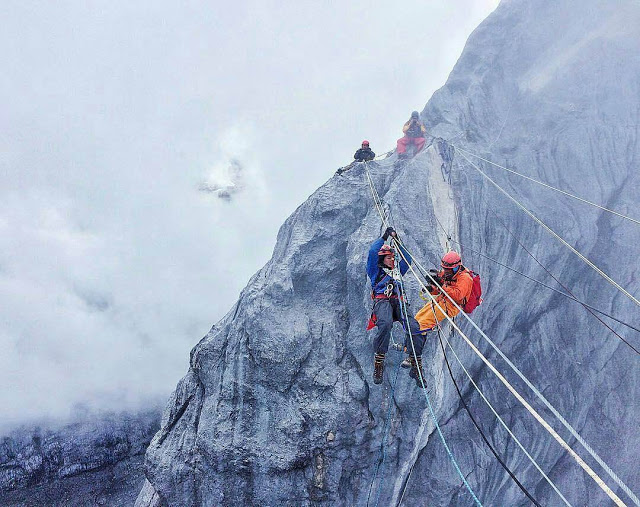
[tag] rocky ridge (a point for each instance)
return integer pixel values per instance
(95, 461)
(278, 406)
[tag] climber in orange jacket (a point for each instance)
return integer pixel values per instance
(456, 281)
(414, 131)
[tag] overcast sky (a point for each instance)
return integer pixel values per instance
(113, 114)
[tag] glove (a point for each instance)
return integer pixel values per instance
(389, 232)
(434, 276)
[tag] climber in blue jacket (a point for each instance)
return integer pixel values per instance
(387, 308)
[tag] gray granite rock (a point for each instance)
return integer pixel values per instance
(97, 461)
(551, 89)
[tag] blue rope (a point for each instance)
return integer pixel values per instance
(386, 433)
(431, 411)
(408, 328)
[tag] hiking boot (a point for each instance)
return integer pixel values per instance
(413, 373)
(378, 368)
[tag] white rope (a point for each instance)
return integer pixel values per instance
(424, 389)
(513, 391)
(376, 198)
(548, 186)
(504, 425)
(540, 396)
(581, 462)
(557, 236)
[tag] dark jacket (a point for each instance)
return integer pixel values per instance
(364, 154)
(414, 128)
(379, 279)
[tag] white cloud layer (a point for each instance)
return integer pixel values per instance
(112, 262)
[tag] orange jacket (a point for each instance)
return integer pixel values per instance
(459, 287)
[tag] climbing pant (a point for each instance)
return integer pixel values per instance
(427, 318)
(386, 312)
(406, 141)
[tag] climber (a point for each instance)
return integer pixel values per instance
(363, 154)
(456, 281)
(387, 307)
(414, 131)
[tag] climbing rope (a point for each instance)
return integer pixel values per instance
(513, 391)
(599, 460)
(424, 390)
(376, 197)
(383, 217)
(377, 200)
(621, 215)
(475, 423)
(564, 294)
(504, 425)
(387, 426)
(556, 235)
(570, 294)
(404, 486)
(531, 410)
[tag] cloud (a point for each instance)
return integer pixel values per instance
(236, 167)
(113, 263)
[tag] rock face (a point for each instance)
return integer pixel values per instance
(278, 406)
(94, 462)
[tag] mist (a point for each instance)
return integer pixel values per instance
(148, 155)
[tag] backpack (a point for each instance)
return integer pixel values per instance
(476, 291)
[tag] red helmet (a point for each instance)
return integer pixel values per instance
(386, 250)
(451, 259)
(365, 143)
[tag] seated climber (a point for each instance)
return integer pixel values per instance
(414, 131)
(363, 154)
(456, 281)
(387, 307)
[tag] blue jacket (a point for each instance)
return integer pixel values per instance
(379, 279)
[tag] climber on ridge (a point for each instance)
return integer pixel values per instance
(363, 154)
(414, 131)
(456, 281)
(387, 305)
